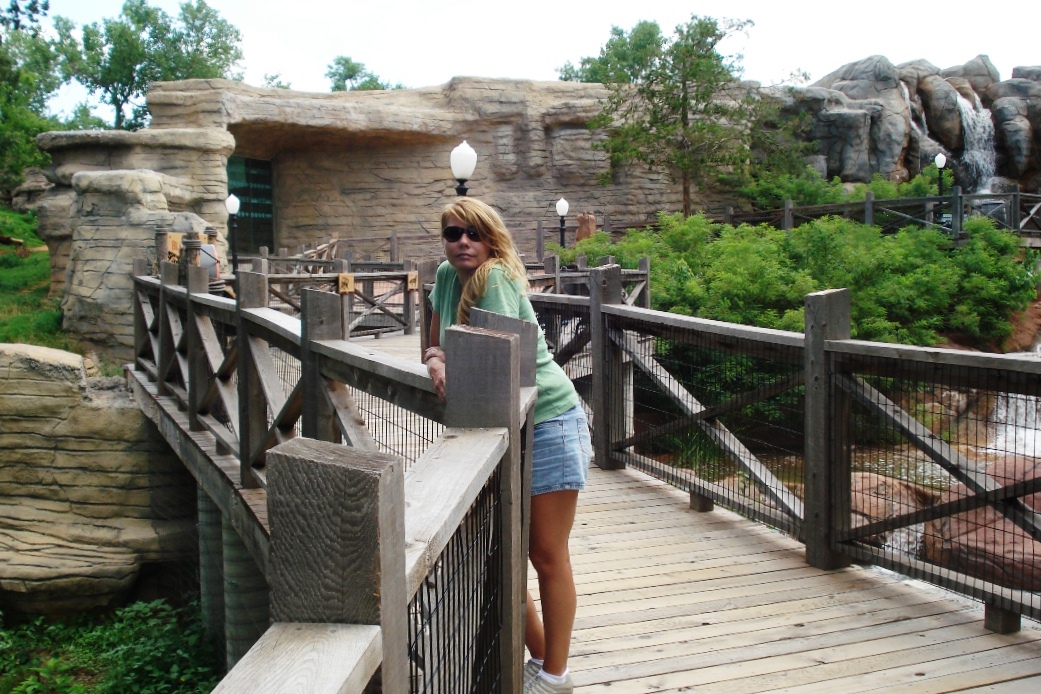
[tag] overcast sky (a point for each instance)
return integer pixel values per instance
(421, 42)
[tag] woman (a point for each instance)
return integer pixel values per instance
(484, 270)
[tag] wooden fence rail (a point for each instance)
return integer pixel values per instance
(631, 358)
(325, 526)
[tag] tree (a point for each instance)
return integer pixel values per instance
(32, 67)
(121, 56)
(622, 59)
(682, 108)
(274, 81)
(348, 76)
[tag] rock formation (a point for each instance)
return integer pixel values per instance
(872, 117)
(90, 495)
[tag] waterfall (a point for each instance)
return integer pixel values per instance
(918, 125)
(1017, 421)
(978, 159)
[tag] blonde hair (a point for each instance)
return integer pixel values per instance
(502, 251)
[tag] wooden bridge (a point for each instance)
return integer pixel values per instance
(674, 600)
(676, 594)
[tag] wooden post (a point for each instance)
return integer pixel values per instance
(552, 265)
(789, 218)
(411, 292)
(645, 297)
(957, 208)
(246, 604)
(427, 275)
(728, 215)
(166, 358)
(1014, 211)
(540, 242)
(198, 373)
(490, 397)
(321, 318)
(395, 250)
(142, 340)
(605, 287)
(827, 496)
(337, 518)
(869, 209)
(211, 569)
(999, 620)
(253, 293)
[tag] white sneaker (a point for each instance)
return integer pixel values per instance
(539, 685)
(531, 670)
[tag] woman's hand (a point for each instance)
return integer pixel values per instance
(435, 361)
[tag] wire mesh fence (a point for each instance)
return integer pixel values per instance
(455, 618)
(945, 475)
(721, 416)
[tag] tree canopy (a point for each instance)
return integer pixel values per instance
(675, 103)
(144, 44)
(348, 76)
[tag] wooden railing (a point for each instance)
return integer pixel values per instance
(1018, 212)
(345, 538)
(790, 428)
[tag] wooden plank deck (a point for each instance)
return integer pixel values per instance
(671, 600)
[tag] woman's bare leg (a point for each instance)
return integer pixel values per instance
(552, 516)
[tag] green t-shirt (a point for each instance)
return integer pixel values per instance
(556, 393)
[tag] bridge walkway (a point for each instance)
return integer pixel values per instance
(674, 600)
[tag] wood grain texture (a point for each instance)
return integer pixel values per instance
(307, 659)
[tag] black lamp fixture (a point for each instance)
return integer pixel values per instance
(562, 207)
(941, 161)
(232, 205)
(464, 161)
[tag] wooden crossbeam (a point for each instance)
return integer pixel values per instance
(735, 403)
(768, 483)
(941, 452)
(348, 419)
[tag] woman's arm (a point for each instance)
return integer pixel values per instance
(434, 357)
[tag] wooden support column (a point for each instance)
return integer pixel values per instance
(605, 287)
(412, 290)
(552, 267)
(321, 318)
(166, 358)
(788, 222)
(427, 275)
(211, 569)
(246, 615)
(827, 496)
(540, 242)
(957, 209)
(490, 397)
(337, 518)
(253, 293)
(645, 296)
(869, 209)
(139, 268)
(1000, 620)
(198, 373)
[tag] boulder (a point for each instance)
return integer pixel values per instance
(940, 103)
(984, 543)
(979, 73)
(1025, 72)
(877, 497)
(91, 497)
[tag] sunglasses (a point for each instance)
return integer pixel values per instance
(453, 234)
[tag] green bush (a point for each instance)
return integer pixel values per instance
(911, 287)
(146, 648)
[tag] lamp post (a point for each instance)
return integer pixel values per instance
(232, 206)
(464, 161)
(562, 211)
(941, 161)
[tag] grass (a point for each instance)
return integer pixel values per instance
(27, 314)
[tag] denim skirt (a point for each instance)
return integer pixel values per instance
(562, 451)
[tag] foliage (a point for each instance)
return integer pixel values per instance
(911, 287)
(148, 648)
(680, 108)
(769, 187)
(274, 81)
(121, 56)
(347, 75)
(623, 59)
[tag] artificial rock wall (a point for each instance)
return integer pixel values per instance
(90, 494)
